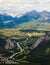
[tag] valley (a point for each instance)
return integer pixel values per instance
(24, 46)
(25, 40)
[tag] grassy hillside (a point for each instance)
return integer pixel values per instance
(16, 32)
(35, 25)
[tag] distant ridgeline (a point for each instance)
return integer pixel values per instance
(29, 19)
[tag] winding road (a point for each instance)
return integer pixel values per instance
(21, 50)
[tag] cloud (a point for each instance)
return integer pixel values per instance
(19, 7)
(0, 1)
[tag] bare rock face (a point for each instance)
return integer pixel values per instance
(42, 41)
(6, 43)
(40, 51)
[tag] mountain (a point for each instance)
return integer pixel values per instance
(42, 21)
(29, 16)
(5, 17)
(40, 50)
(7, 21)
(6, 43)
(45, 15)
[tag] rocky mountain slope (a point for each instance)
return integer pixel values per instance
(6, 43)
(40, 52)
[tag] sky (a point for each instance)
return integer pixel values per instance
(20, 7)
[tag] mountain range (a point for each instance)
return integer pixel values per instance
(8, 21)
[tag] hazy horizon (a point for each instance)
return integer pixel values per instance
(20, 7)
